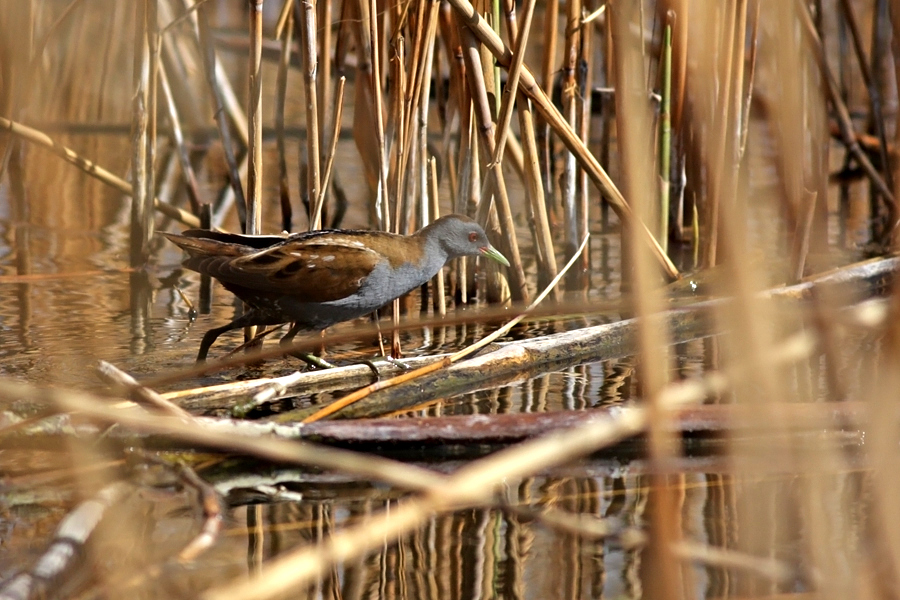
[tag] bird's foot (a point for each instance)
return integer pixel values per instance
(396, 362)
(313, 360)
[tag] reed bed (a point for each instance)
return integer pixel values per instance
(742, 149)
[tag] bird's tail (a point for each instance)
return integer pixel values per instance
(196, 244)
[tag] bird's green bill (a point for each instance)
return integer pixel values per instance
(492, 252)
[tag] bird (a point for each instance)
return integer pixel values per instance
(317, 279)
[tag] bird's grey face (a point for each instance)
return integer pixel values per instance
(467, 238)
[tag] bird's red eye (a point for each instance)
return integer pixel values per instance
(473, 236)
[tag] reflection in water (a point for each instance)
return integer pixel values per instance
(140, 304)
(502, 553)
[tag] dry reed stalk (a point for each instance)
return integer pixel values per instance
(435, 212)
(332, 151)
(142, 199)
(511, 89)
(531, 171)
(635, 133)
(286, 31)
(680, 31)
(428, 201)
(458, 107)
(141, 395)
(211, 69)
(494, 176)
(397, 175)
(306, 21)
(364, 134)
(94, 170)
(253, 224)
(184, 157)
(546, 254)
(588, 162)
(842, 113)
(569, 95)
(722, 163)
(267, 448)
(754, 327)
(751, 76)
(213, 508)
(548, 68)
(399, 148)
(606, 132)
(494, 187)
(254, 121)
(468, 177)
(895, 165)
(665, 133)
(153, 48)
(416, 94)
(382, 201)
(181, 59)
(584, 102)
(325, 76)
(227, 100)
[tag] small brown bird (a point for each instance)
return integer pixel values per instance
(320, 278)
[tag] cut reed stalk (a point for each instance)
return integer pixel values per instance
(141, 221)
(254, 121)
(307, 25)
(286, 31)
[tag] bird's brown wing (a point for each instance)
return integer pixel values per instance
(323, 269)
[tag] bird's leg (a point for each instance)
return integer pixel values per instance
(396, 362)
(210, 336)
(306, 357)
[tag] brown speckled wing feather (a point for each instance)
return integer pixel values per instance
(323, 269)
